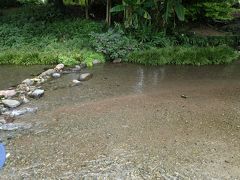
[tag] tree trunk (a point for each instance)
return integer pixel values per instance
(59, 5)
(108, 13)
(87, 12)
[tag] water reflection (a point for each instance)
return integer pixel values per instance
(147, 76)
(140, 81)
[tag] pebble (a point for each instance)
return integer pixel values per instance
(37, 93)
(56, 75)
(76, 82)
(28, 82)
(183, 96)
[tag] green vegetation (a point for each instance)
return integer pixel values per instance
(147, 32)
(41, 36)
(113, 44)
(8, 3)
(221, 10)
(184, 55)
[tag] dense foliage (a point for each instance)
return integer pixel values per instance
(221, 10)
(113, 44)
(50, 31)
(42, 36)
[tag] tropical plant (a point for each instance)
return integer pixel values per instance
(173, 8)
(135, 12)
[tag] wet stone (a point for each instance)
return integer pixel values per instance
(37, 93)
(184, 96)
(20, 112)
(15, 126)
(59, 67)
(56, 75)
(96, 61)
(2, 109)
(76, 68)
(2, 120)
(49, 72)
(28, 82)
(23, 88)
(85, 76)
(25, 100)
(11, 103)
(76, 82)
(116, 61)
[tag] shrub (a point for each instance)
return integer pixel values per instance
(184, 56)
(113, 44)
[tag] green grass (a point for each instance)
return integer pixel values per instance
(40, 35)
(184, 56)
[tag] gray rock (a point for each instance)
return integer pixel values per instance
(2, 109)
(96, 62)
(23, 88)
(48, 72)
(11, 103)
(83, 65)
(37, 93)
(85, 76)
(76, 82)
(116, 61)
(20, 112)
(28, 82)
(24, 99)
(8, 93)
(59, 67)
(2, 121)
(56, 75)
(77, 68)
(15, 126)
(184, 96)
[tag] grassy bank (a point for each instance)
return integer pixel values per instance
(184, 56)
(40, 35)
